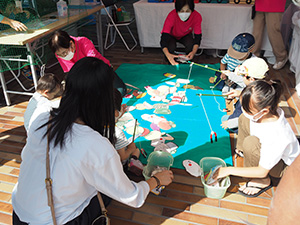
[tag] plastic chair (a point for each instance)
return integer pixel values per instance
(111, 24)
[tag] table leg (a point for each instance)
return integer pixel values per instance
(7, 99)
(32, 67)
(99, 32)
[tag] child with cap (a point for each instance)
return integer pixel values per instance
(48, 87)
(128, 152)
(252, 69)
(237, 53)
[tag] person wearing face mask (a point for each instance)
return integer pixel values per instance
(68, 50)
(183, 25)
(252, 69)
(128, 152)
(265, 137)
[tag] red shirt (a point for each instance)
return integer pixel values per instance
(84, 48)
(270, 5)
(177, 28)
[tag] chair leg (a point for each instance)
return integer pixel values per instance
(7, 99)
(133, 38)
(108, 31)
(129, 49)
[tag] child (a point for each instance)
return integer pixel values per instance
(251, 70)
(238, 52)
(125, 149)
(48, 88)
(265, 137)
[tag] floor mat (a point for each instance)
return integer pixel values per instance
(188, 122)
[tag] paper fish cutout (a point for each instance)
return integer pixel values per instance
(183, 81)
(140, 106)
(147, 105)
(192, 167)
(138, 131)
(142, 95)
(146, 131)
(192, 87)
(130, 108)
(153, 135)
(170, 75)
(171, 83)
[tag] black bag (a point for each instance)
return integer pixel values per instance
(103, 219)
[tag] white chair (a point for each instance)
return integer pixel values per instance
(114, 26)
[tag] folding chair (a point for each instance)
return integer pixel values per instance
(114, 26)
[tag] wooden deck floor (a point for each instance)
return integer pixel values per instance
(181, 203)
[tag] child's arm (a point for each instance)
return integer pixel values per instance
(131, 149)
(223, 67)
(255, 172)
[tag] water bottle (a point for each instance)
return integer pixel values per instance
(62, 8)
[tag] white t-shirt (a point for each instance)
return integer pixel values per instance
(37, 100)
(87, 163)
(278, 141)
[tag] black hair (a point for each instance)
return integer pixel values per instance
(59, 39)
(180, 3)
(261, 94)
(88, 96)
(117, 99)
(47, 82)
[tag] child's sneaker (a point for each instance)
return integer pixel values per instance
(26, 72)
(136, 167)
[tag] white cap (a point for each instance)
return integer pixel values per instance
(254, 67)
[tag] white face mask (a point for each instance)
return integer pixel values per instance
(251, 117)
(69, 56)
(184, 16)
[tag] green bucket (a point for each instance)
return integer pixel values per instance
(206, 164)
(157, 158)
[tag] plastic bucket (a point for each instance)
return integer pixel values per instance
(157, 158)
(206, 164)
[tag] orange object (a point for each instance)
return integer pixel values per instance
(119, 9)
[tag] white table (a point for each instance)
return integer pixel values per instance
(29, 38)
(220, 23)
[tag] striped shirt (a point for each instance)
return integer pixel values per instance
(231, 63)
(121, 141)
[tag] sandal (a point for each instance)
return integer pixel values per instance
(239, 153)
(261, 190)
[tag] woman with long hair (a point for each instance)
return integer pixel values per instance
(83, 159)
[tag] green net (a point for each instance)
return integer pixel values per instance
(35, 14)
(14, 57)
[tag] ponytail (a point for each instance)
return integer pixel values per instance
(278, 91)
(262, 94)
